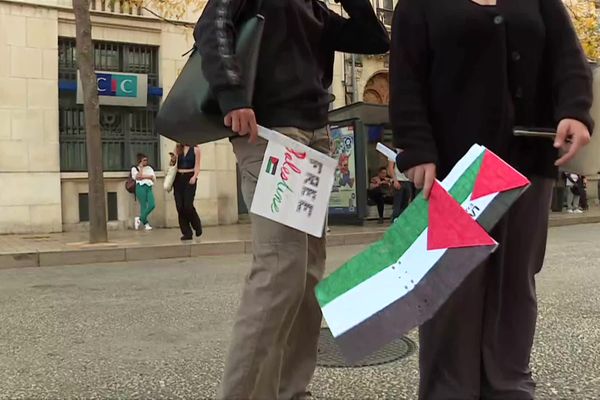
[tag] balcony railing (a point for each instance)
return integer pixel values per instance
(116, 6)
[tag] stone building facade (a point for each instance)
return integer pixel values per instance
(43, 178)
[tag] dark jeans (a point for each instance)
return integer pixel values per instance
(402, 198)
(378, 198)
(477, 346)
(184, 199)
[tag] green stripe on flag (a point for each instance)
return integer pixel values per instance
(378, 256)
(398, 238)
(463, 188)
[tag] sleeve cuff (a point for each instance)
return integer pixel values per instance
(232, 99)
(408, 159)
(581, 116)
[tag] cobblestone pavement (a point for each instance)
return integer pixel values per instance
(159, 329)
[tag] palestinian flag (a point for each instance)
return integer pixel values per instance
(485, 185)
(402, 280)
(272, 165)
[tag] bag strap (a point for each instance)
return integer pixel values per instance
(238, 18)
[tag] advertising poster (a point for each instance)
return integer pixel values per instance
(343, 196)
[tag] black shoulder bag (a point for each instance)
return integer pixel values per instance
(191, 114)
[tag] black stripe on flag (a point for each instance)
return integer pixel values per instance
(416, 307)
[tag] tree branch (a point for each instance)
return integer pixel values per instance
(170, 21)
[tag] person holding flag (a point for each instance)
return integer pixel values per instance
(471, 71)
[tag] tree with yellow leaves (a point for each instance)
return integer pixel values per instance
(586, 18)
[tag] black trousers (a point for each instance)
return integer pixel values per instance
(478, 345)
(378, 198)
(184, 200)
(402, 198)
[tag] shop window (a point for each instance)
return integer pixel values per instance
(126, 131)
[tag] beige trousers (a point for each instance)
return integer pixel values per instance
(273, 348)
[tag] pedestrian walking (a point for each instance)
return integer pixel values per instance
(144, 176)
(470, 71)
(274, 343)
(184, 190)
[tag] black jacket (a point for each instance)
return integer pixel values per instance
(295, 66)
(461, 73)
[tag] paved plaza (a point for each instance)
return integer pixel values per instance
(158, 329)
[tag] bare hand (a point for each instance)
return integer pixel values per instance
(397, 185)
(423, 177)
(571, 136)
(243, 122)
(193, 180)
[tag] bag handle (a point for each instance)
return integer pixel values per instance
(243, 9)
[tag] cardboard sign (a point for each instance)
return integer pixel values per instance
(294, 184)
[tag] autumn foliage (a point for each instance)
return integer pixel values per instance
(586, 18)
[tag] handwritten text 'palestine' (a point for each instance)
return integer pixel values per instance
(311, 182)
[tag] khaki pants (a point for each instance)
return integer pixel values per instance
(477, 346)
(274, 343)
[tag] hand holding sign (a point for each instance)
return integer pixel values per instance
(294, 185)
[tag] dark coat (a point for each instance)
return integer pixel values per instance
(461, 73)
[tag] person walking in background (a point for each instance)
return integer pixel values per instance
(402, 190)
(470, 71)
(573, 193)
(184, 189)
(378, 188)
(145, 178)
(273, 349)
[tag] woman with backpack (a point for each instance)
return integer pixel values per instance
(144, 176)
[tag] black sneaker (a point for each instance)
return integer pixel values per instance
(186, 238)
(199, 233)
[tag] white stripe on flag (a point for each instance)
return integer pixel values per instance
(476, 207)
(374, 294)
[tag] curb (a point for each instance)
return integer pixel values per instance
(575, 220)
(106, 254)
(102, 254)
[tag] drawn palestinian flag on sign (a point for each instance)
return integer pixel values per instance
(485, 185)
(272, 165)
(401, 281)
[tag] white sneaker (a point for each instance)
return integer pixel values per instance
(147, 227)
(137, 223)
(578, 211)
(570, 211)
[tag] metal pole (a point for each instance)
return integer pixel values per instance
(354, 88)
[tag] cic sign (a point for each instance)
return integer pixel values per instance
(119, 89)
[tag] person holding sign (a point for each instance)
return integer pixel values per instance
(274, 343)
(471, 71)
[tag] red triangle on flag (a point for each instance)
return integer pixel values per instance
(496, 176)
(450, 226)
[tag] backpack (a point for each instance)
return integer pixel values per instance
(130, 182)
